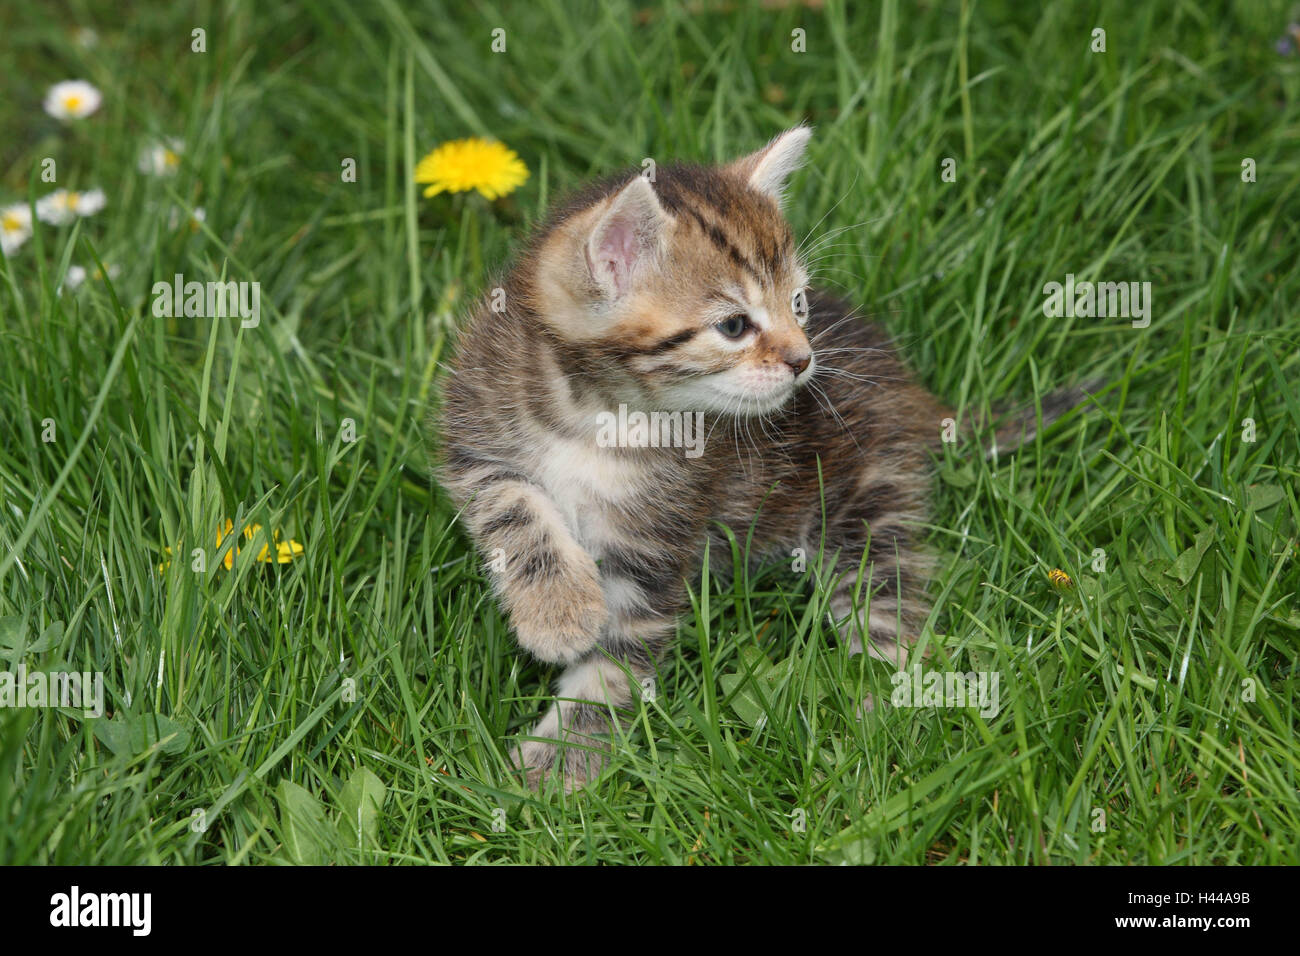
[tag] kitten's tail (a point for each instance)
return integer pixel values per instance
(1017, 425)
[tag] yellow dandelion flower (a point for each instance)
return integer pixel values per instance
(465, 164)
(285, 551)
(1060, 580)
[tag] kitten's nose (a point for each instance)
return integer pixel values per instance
(798, 361)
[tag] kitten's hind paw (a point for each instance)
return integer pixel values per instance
(883, 639)
(540, 760)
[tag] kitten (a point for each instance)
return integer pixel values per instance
(683, 295)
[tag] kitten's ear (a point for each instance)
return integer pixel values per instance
(768, 169)
(625, 237)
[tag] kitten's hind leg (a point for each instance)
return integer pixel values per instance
(571, 741)
(885, 615)
(883, 625)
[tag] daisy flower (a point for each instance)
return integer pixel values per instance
(196, 219)
(78, 275)
(72, 99)
(161, 158)
(63, 205)
(465, 164)
(15, 227)
(89, 202)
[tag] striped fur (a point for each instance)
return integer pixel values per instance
(621, 299)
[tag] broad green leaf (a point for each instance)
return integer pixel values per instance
(740, 689)
(1260, 497)
(1185, 565)
(1151, 571)
(302, 824)
(11, 637)
(962, 477)
(744, 701)
(361, 801)
(132, 734)
(853, 853)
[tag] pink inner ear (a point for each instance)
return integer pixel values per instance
(615, 254)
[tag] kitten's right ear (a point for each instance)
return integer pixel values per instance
(625, 238)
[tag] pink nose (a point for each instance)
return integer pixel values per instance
(798, 362)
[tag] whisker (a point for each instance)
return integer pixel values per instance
(843, 196)
(830, 407)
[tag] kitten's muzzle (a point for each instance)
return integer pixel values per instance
(798, 361)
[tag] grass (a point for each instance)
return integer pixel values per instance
(258, 714)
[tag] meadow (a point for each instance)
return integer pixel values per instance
(233, 523)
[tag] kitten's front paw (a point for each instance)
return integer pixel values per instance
(558, 616)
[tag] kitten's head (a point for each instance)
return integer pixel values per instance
(687, 288)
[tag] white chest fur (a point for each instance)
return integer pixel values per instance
(592, 487)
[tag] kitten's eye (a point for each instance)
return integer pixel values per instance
(799, 306)
(734, 327)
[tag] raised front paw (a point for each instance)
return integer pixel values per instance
(556, 606)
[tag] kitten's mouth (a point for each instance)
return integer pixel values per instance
(774, 394)
(764, 405)
(754, 402)
(735, 394)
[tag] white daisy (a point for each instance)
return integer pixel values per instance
(72, 99)
(62, 206)
(55, 208)
(195, 220)
(89, 202)
(77, 275)
(161, 159)
(15, 227)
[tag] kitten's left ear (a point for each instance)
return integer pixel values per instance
(769, 168)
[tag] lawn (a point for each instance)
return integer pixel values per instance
(353, 699)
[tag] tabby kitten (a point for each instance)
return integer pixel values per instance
(687, 295)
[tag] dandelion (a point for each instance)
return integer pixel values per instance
(15, 227)
(161, 159)
(72, 99)
(1060, 580)
(285, 551)
(465, 164)
(63, 205)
